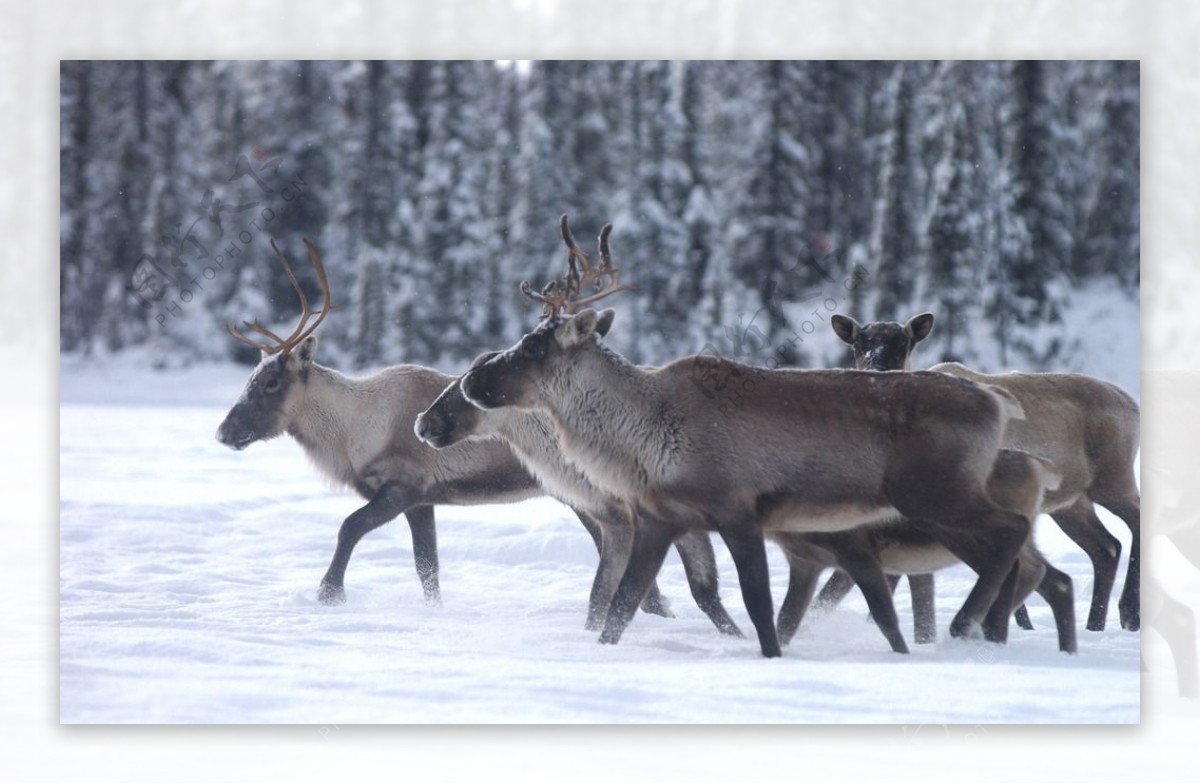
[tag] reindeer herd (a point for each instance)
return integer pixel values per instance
(878, 472)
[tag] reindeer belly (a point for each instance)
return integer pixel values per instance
(903, 550)
(799, 516)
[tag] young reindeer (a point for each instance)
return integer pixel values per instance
(763, 450)
(359, 433)
(451, 419)
(1017, 482)
(883, 345)
(1088, 428)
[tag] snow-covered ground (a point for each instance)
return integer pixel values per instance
(187, 594)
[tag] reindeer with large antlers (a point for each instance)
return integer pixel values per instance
(359, 433)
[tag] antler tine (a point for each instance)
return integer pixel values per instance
(604, 268)
(553, 296)
(305, 311)
(267, 349)
(260, 329)
(576, 279)
(327, 299)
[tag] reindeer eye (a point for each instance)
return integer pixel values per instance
(272, 384)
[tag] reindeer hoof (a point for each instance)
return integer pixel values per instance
(731, 629)
(657, 606)
(331, 594)
(966, 629)
(608, 638)
(1131, 623)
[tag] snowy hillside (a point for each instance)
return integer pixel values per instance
(188, 577)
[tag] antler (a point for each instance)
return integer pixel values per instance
(303, 328)
(557, 294)
(593, 275)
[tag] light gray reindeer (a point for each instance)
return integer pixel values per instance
(708, 443)
(1087, 428)
(359, 433)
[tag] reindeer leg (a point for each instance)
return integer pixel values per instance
(893, 580)
(1079, 521)
(1021, 616)
(424, 539)
(1032, 569)
(863, 567)
(605, 583)
(379, 510)
(615, 540)
(924, 618)
(651, 540)
(1127, 506)
(995, 623)
(593, 528)
(992, 557)
(836, 588)
(749, 553)
(802, 584)
(1056, 588)
(700, 566)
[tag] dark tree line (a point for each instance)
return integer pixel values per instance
(745, 195)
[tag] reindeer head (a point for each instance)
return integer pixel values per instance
(883, 345)
(515, 377)
(451, 417)
(275, 393)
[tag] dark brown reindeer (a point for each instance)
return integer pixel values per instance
(882, 345)
(451, 419)
(359, 433)
(1088, 428)
(793, 451)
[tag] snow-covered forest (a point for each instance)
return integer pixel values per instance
(750, 201)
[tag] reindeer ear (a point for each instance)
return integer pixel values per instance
(604, 323)
(845, 327)
(919, 327)
(307, 350)
(578, 329)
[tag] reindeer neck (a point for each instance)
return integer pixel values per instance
(533, 440)
(324, 425)
(612, 421)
